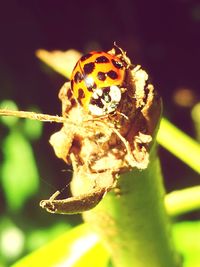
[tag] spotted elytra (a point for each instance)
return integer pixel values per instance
(96, 82)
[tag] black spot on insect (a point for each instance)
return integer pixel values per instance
(101, 76)
(72, 84)
(81, 93)
(91, 87)
(78, 77)
(97, 102)
(112, 74)
(83, 58)
(106, 94)
(69, 93)
(102, 59)
(106, 90)
(73, 102)
(88, 68)
(117, 64)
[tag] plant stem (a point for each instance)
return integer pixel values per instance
(182, 201)
(133, 224)
(32, 115)
(179, 144)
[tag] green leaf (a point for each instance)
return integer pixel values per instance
(179, 144)
(182, 201)
(42, 235)
(77, 248)
(20, 178)
(62, 62)
(33, 129)
(187, 237)
(9, 121)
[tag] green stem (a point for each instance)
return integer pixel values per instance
(133, 223)
(182, 201)
(179, 144)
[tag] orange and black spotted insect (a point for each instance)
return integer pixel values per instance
(96, 82)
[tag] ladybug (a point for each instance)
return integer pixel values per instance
(96, 82)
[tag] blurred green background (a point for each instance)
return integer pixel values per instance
(162, 36)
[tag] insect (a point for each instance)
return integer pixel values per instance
(96, 82)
